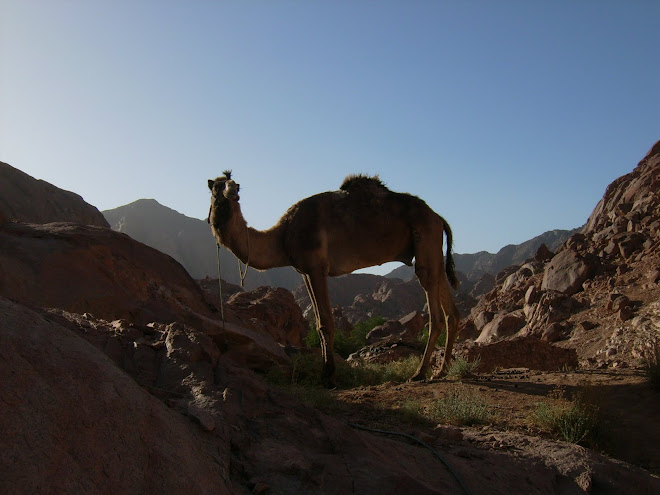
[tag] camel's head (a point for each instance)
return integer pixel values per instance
(225, 186)
(223, 192)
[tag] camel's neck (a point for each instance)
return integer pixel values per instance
(259, 249)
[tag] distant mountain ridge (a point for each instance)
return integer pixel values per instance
(473, 266)
(190, 242)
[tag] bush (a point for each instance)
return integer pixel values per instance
(462, 407)
(305, 372)
(574, 421)
(652, 363)
(424, 336)
(462, 368)
(345, 345)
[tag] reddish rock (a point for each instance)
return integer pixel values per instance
(72, 422)
(618, 302)
(633, 194)
(525, 352)
(543, 254)
(566, 272)
(552, 307)
(341, 322)
(389, 329)
(654, 276)
(272, 310)
(91, 269)
(29, 200)
(414, 323)
(553, 332)
(502, 326)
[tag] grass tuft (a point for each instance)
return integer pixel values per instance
(651, 361)
(305, 371)
(462, 407)
(462, 368)
(574, 421)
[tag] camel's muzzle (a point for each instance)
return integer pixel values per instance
(231, 190)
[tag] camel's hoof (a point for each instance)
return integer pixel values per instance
(418, 377)
(328, 383)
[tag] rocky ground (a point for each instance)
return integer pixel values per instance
(628, 427)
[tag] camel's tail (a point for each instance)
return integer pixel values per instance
(450, 268)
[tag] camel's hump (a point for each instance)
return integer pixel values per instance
(363, 184)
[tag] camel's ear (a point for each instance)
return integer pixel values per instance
(211, 182)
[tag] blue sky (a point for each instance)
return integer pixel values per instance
(509, 118)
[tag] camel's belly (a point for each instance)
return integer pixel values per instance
(343, 261)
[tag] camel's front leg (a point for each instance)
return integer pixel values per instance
(317, 286)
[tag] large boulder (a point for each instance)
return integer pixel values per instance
(272, 310)
(501, 326)
(566, 272)
(26, 199)
(389, 329)
(82, 268)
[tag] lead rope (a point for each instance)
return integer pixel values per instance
(242, 273)
(222, 305)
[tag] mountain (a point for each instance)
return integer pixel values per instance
(477, 264)
(190, 242)
(26, 199)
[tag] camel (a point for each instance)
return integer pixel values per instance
(334, 233)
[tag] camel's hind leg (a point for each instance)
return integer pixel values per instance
(430, 270)
(317, 286)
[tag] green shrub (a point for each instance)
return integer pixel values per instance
(345, 345)
(305, 371)
(462, 407)
(574, 421)
(651, 361)
(410, 411)
(462, 368)
(424, 336)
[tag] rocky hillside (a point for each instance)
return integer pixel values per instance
(190, 242)
(18, 191)
(599, 292)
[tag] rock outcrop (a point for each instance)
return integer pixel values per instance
(73, 422)
(271, 310)
(26, 199)
(586, 295)
(83, 269)
(631, 202)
